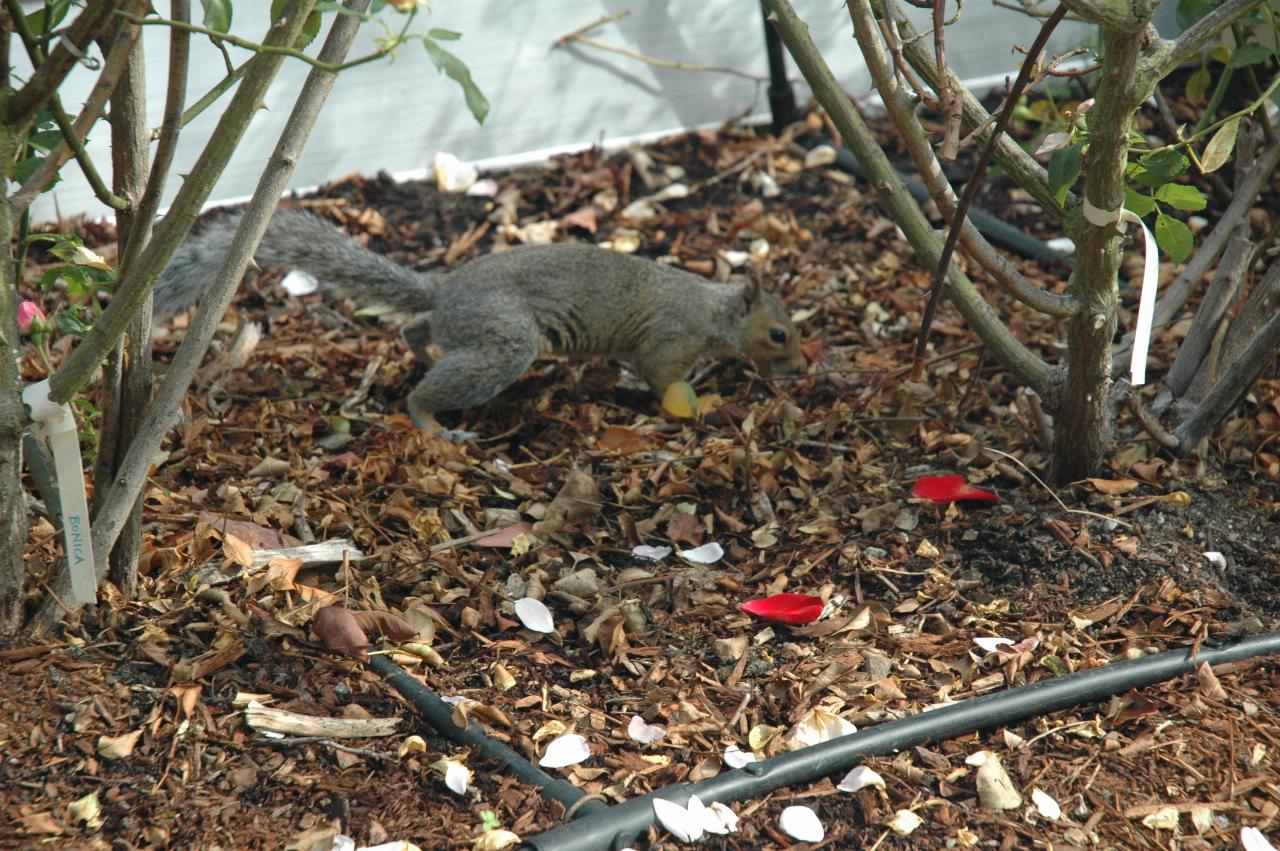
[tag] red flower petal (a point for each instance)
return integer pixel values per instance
(786, 608)
(951, 488)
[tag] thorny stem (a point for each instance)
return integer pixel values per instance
(117, 61)
(898, 203)
(1168, 55)
(35, 51)
(914, 137)
(278, 50)
(50, 73)
(971, 186)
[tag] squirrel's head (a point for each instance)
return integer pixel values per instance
(771, 339)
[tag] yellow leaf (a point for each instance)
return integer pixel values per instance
(1218, 151)
(708, 403)
(680, 400)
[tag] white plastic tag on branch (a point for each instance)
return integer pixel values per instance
(59, 428)
(1150, 280)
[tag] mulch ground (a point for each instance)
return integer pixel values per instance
(805, 483)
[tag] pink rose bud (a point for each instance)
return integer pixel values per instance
(28, 313)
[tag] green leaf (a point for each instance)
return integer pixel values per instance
(70, 323)
(1218, 151)
(1248, 54)
(57, 10)
(22, 170)
(444, 35)
(457, 71)
(310, 27)
(1161, 167)
(45, 140)
(1190, 11)
(1141, 205)
(1198, 86)
(1064, 168)
(79, 283)
(1174, 238)
(1181, 197)
(217, 15)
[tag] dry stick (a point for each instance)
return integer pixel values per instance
(650, 60)
(131, 476)
(1056, 498)
(1148, 421)
(1020, 165)
(971, 186)
(898, 202)
(914, 137)
(1221, 292)
(1232, 386)
(947, 94)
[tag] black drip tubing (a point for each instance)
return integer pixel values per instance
(439, 715)
(614, 827)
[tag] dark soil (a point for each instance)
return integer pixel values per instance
(805, 483)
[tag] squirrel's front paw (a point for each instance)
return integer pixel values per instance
(430, 425)
(457, 435)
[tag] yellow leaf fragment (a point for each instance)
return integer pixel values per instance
(680, 400)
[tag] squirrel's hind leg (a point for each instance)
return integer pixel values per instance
(465, 378)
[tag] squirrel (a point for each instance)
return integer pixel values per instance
(479, 327)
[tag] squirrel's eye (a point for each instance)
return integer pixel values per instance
(778, 335)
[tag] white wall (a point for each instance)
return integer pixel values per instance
(394, 115)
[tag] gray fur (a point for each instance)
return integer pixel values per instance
(295, 239)
(485, 322)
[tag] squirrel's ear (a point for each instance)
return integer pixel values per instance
(753, 289)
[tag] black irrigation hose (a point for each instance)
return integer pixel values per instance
(997, 230)
(614, 827)
(439, 715)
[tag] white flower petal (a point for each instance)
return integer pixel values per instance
(452, 175)
(820, 726)
(705, 818)
(801, 823)
(728, 818)
(1046, 805)
(644, 733)
(904, 822)
(735, 757)
(705, 554)
(860, 778)
(1252, 840)
(569, 749)
(651, 553)
(298, 282)
(535, 615)
(400, 845)
(456, 776)
(1216, 558)
(486, 188)
(991, 643)
(677, 820)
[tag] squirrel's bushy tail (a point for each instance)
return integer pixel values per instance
(295, 239)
